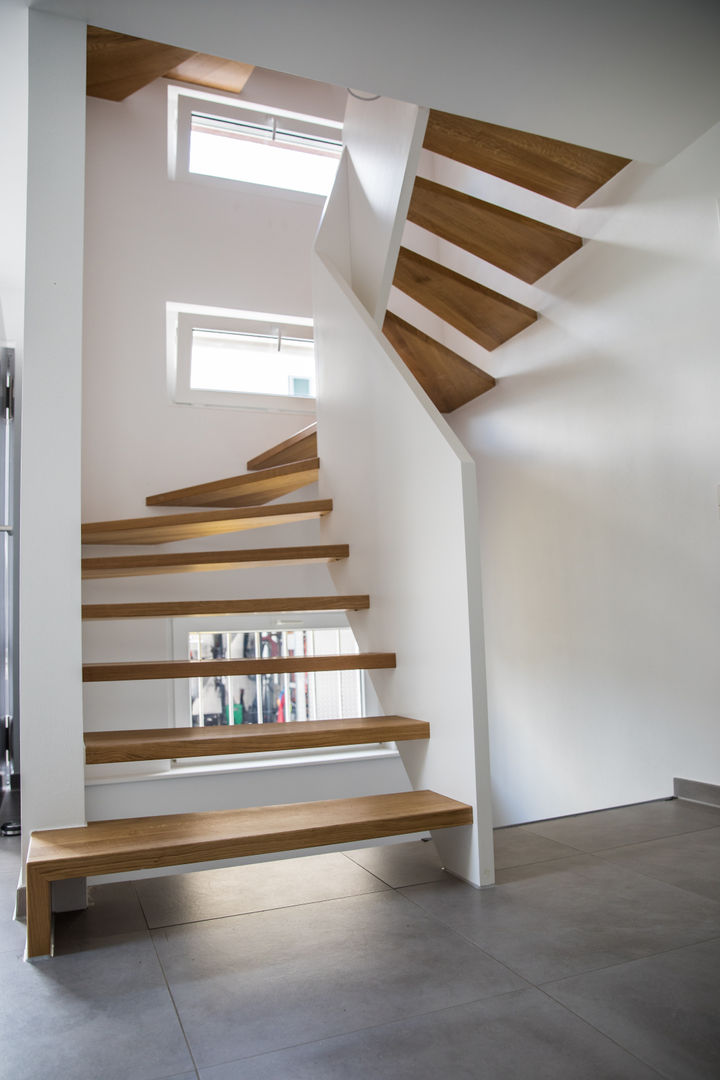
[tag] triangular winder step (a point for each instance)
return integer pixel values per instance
(166, 528)
(449, 380)
(106, 747)
(559, 170)
(128, 844)
(248, 489)
(482, 314)
(182, 562)
(168, 609)
(203, 669)
(299, 447)
(517, 244)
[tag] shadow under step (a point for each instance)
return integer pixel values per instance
(107, 847)
(559, 170)
(182, 562)
(520, 245)
(449, 380)
(167, 528)
(249, 489)
(482, 314)
(177, 608)
(108, 747)
(202, 669)
(299, 447)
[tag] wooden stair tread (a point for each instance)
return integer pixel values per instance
(448, 379)
(299, 447)
(104, 747)
(180, 562)
(166, 528)
(177, 608)
(482, 314)
(517, 244)
(191, 669)
(118, 64)
(559, 170)
(248, 489)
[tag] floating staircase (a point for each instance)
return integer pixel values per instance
(103, 847)
(519, 245)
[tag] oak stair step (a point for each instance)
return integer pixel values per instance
(181, 562)
(177, 608)
(248, 489)
(517, 244)
(482, 314)
(299, 447)
(559, 170)
(448, 379)
(107, 847)
(106, 747)
(125, 670)
(166, 528)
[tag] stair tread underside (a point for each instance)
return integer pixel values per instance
(299, 447)
(248, 489)
(120, 671)
(177, 562)
(176, 608)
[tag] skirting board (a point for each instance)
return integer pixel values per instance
(695, 791)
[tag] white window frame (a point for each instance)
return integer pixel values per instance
(183, 319)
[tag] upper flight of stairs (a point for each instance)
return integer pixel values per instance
(169, 840)
(518, 245)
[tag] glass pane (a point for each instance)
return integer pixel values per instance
(252, 364)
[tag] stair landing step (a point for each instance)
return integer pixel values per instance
(180, 562)
(559, 170)
(248, 489)
(520, 245)
(104, 747)
(193, 669)
(448, 379)
(481, 313)
(178, 608)
(300, 446)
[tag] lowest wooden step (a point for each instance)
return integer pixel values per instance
(559, 170)
(481, 313)
(125, 670)
(181, 562)
(299, 447)
(106, 747)
(128, 844)
(164, 609)
(517, 244)
(248, 489)
(167, 528)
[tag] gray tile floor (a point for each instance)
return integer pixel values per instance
(596, 956)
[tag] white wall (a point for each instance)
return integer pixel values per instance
(598, 464)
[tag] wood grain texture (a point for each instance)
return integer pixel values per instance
(193, 669)
(118, 65)
(105, 747)
(249, 489)
(213, 72)
(105, 847)
(169, 527)
(448, 379)
(482, 314)
(299, 447)
(517, 244)
(177, 608)
(182, 562)
(559, 170)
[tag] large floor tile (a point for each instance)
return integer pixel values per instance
(101, 1013)
(261, 982)
(237, 890)
(628, 824)
(561, 917)
(12, 933)
(10, 855)
(665, 1010)
(409, 863)
(112, 909)
(518, 845)
(518, 1036)
(691, 861)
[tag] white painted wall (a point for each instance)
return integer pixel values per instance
(638, 79)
